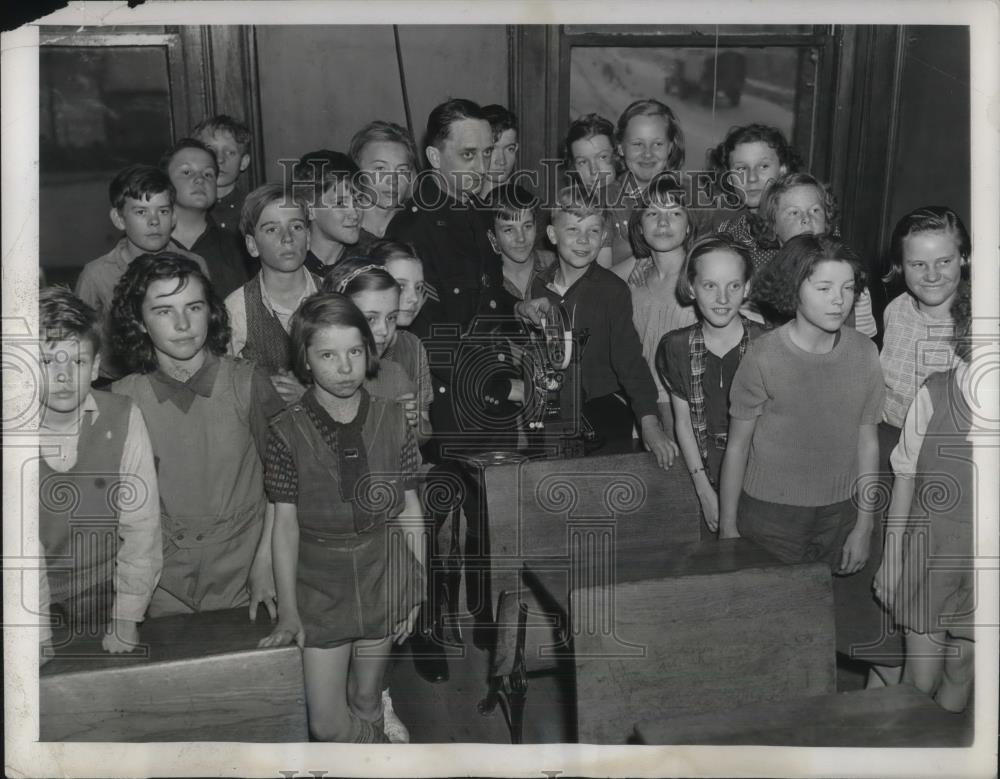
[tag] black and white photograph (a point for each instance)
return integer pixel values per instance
(651, 350)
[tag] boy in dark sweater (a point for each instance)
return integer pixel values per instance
(616, 383)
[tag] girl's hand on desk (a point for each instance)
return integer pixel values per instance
(405, 627)
(709, 500)
(288, 630)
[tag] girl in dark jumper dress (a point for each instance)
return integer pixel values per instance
(341, 468)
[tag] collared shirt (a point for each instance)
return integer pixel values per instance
(226, 211)
(600, 307)
(236, 304)
(540, 259)
(914, 346)
(182, 393)
(96, 287)
(224, 254)
(140, 554)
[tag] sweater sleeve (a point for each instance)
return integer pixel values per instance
(748, 395)
(627, 361)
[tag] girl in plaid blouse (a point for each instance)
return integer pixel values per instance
(697, 363)
(341, 467)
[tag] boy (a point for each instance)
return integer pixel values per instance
(142, 205)
(276, 232)
(194, 170)
(229, 140)
(326, 178)
(513, 237)
(599, 305)
(105, 543)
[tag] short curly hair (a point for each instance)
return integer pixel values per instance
(718, 156)
(662, 190)
(584, 128)
(763, 222)
(776, 288)
(130, 341)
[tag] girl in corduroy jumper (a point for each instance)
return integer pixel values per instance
(804, 408)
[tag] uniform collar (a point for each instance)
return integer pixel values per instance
(183, 393)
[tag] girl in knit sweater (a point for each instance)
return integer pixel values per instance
(804, 406)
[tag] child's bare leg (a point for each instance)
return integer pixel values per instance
(959, 671)
(326, 693)
(924, 664)
(369, 660)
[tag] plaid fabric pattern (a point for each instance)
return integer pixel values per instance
(739, 230)
(914, 346)
(281, 480)
(696, 393)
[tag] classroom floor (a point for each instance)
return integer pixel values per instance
(447, 712)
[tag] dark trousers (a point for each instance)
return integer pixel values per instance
(612, 421)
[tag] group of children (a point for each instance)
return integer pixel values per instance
(267, 403)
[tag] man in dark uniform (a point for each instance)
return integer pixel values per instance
(448, 226)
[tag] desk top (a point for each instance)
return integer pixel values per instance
(552, 576)
(167, 639)
(897, 716)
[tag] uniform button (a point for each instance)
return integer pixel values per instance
(199, 537)
(493, 304)
(100, 483)
(456, 290)
(180, 536)
(441, 390)
(502, 357)
(413, 209)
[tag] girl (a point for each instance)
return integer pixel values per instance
(405, 371)
(697, 363)
(804, 405)
(387, 158)
(207, 418)
(744, 163)
(660, 231)
(650, 141)
(592, 164)
(401, 261)
(798, 203)
(930, 251)
(341, 466)
(934, 606)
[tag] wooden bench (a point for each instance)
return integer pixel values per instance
(688, 628)
(553, 509)
(897, 716)
(198, 677)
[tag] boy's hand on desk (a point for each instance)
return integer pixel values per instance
(287, 631)
(658, 442)
(121, 636)
(405, 627)
(287, 386)
(261, 587)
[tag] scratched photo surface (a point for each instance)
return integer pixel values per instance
(529, 494)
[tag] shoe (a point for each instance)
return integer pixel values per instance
(392, 725)
(428, 657)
